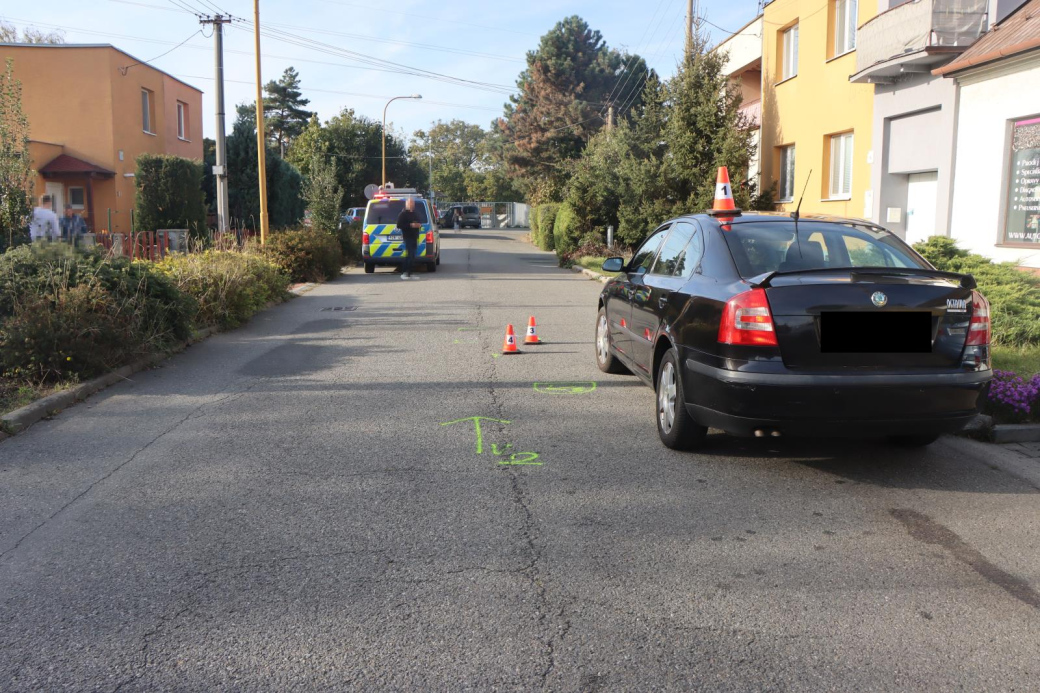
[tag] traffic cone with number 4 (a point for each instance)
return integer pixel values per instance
(532, 332)
(509, 345)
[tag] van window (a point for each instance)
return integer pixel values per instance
(387, 211)
(470, 210)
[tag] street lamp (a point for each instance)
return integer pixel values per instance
(413, 96)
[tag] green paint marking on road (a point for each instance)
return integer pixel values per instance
(566, 388)
(516, 459)
(495, 356)
(476, 426)
(496, 451)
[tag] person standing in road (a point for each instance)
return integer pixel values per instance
(409, 228)
(44, 222)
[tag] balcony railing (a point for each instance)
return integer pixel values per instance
(752, 112)
(917, 26)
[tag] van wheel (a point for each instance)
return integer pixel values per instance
(431, 267)
(438, 259)
(369, 268)
(675, 426)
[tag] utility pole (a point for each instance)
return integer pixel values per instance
(610, 118)
(261, 135)
(429, 141)
(220, 169)
(689, 26)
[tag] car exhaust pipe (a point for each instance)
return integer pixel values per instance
(767, 433)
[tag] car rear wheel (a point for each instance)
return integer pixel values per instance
(607, 362)
(676, 427)
(369, 268)
(916, 440)
(431, 267)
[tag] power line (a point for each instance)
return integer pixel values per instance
(635, 53)
(126, 68)
(452, 20)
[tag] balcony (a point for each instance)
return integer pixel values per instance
(752, 112)
(916, 36)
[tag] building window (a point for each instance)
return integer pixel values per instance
(845, 13)
(182, 120)
(790, 53)
(787, 173)
(841, 166)
(76, 198)
(147, 112)
(1022, 220)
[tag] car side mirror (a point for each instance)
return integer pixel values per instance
(614, 264)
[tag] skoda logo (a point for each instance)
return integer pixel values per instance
(878, 299)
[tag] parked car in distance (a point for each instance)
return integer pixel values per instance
(767, 325)
(469, 216)
(351, 215)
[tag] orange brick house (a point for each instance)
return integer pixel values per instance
(92, 109)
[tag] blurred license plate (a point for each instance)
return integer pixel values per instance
(395, 238)
(876, 333)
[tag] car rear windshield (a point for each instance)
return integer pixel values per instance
(387, 211)
(761, 247)
(470, 210)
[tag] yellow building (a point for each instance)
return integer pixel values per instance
(92, 109)
(813, 118)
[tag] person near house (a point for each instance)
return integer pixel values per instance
(409, 228)
(72, 225)
(44, 224)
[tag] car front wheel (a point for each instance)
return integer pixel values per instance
(676, 427)
(607, 362)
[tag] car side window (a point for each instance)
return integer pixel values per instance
(644, 257)
(691, 257)
(672, 249)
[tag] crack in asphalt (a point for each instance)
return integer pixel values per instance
(193, 414)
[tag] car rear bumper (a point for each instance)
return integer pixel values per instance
(832, 405)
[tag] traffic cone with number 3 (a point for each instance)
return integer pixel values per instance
(509, 345)
(532, 332)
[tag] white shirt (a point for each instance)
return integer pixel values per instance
(44, 224)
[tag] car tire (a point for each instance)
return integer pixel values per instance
(369, 268)
(914, 440)
(438, 259)
(607, 362)
(431, 267)
(675, 426)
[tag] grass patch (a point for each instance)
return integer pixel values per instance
(1024, 361)
(15, 394)
(594, 263)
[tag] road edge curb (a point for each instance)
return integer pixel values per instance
(590, 273)
(19, 420)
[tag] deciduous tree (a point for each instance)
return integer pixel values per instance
(16, 174)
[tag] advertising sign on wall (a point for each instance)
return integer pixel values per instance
(1023, 200)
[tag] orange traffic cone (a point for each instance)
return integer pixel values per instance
(723, 191)
(509, 345)
(532, 332)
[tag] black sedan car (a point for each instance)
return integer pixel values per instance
(767, 325)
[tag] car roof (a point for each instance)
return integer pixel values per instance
(772, 217)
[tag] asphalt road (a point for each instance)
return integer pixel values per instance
(281, 508)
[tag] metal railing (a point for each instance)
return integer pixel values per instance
(917, 25)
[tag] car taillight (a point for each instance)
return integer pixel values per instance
(746, 320)
(979, 328)
(429, 238)
(364, 238)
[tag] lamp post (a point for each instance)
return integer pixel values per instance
(413, 96)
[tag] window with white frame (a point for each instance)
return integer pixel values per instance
(841, 166)
(787, 173)
(146, 111)
(182, 120)
(76, 197)
(845, 12)
(790, 53)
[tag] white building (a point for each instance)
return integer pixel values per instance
(996, 190)
(744, 68)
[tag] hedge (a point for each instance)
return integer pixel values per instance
(565, 229)
(532, 221)
(546, 222)
(1013, 295)
(305, 255)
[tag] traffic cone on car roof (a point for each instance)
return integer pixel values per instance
(509, 345)
(532, 332)
(723, 192)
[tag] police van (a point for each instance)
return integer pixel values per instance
(381, 240)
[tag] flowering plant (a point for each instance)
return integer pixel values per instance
(1012, 399)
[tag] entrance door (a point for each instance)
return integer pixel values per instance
(57, 193)
(921, 196)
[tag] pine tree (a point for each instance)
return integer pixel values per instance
(284, 110)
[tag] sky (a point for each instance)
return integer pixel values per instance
(478, 41)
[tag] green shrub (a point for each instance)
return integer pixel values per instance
(532, 221)
(169, 194)
(349, 237)
(228, 287)
(1014, 295)
(306, 255)
(565, 230)
(67, 314)
(546, 221)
